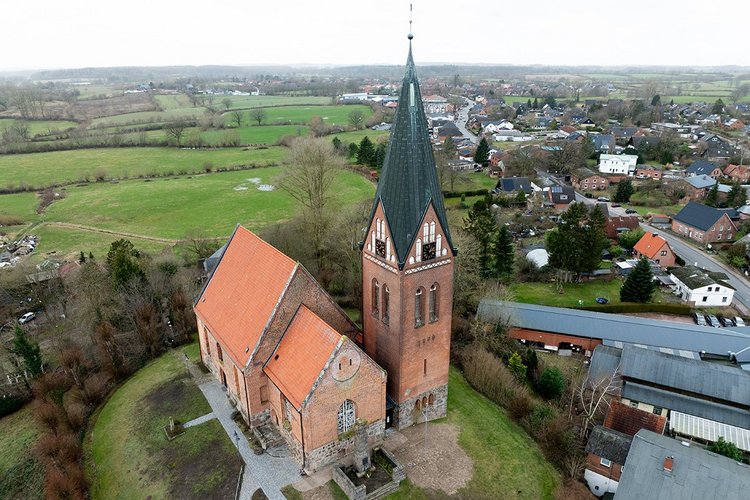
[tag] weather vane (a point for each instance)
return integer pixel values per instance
(410, 36)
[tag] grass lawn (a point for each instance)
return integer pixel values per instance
(39, 127)
(665, 209)
(127, 452)
(332, 115)
(507, 462)
(22, 205)
(214, 203)
(357, 135)
(21, 475)
(471, 181)
(267, 134)
(261, 101)
(41, 169)
(546, 293)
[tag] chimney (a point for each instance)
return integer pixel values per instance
(668, 463)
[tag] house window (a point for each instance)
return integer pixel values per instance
(263, 394)
(434, 302)
(208, 344)
(705, 298)
(709, 288)
(663, 253)
(723, 299)
(716, 289)
(431, 399)
(634, 404)
(657, 410)
(718, 236)
(605, 462)
(419, 308)
(346, 416)
(386, 304)
(375, 297)
(419, 250)
(218, 351)
(425, 367)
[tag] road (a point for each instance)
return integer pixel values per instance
(463, 117)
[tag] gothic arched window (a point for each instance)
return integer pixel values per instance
(375, 297)
(386, 303)
(419, 307)
(434, 297)
(346, 416)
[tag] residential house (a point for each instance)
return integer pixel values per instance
(644, 142)
(654, 247)
(703, 224)
(618, 224)
(435, 104)
(560, 197)
(702, 288)
(607, 450)
(512, 136)
(623, 134)
(738, 172)
(617, 164)
(653, 172)
(514, 184)
(697, 187)
(703, 167)
(586, 179)
(717, 148)
(659, 467)
(603, 143)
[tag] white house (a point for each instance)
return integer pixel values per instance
(703, 288)
(617, 164)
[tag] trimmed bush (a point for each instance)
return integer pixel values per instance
(551, 383)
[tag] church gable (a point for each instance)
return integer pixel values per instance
(379, 243)
(430, 242)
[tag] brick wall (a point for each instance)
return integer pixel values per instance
(554, 339)
(593, 462)
(723, 230)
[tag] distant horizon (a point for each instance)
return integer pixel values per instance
(142, 33)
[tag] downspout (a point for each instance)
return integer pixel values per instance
(247, 398)
(302, 431)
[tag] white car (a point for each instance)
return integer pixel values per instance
(738, 321)
(26, 317)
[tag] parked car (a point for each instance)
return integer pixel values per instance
(713, 321)
(699, 319)
(29, 316)
(615, 205)
(630, 211)
(601, 300)
(602, 199)
(723, 321)
(739, 321)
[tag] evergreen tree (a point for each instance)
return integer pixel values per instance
(28, 351)
(712, 198)
(624, 191)
(515, 363)
(366, 152)
(353, 150)
(536, 103)
(482, 154)
(504, 253)
(737, 195)
(726, 448)
(595, 239)
(481, 224)
(718, 107)
(122, 260)
(551, 383)
(639, 286)
(576, 245)
(656, 100)
(82, 258)
(380, 154)
(528, 103)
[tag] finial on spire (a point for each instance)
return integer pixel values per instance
(410, 35)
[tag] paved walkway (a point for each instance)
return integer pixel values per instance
(261, 471)
(200, 420)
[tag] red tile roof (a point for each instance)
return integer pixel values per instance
(649, 245)
(301, 355)
(242, 293)
(629, 420)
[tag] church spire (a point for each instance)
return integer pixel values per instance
(408, 182)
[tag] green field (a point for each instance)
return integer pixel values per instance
(128, 456)
(41, 169)
(256, 135)
(21, 475)
(67, 243)
(262, 101)
(213, 203)
(357, 135)
(149, 117)
(546, 293)
(39, 127)
(507, 462)
(332, 115)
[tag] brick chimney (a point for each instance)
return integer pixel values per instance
(668, 463)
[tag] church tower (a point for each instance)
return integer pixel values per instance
(407, 269)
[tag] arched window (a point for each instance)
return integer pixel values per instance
(424, 401)
(431, 399)
(346, 416)
(434, 297)
(425, 232)
(432, 231)
(386, 304)
(218, 350)
(419, 307)
(419, 250)
(375, 297)
(418, 404)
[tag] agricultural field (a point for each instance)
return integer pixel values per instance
(266, 134)
(39, 127)
(127, 454)
(43, 169)
(331, 115)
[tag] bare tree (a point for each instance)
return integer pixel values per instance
(308, 178)
(176, 130)
(258, 114)
(591, 398)
(227, 102)
(236, 118)
(356, 118)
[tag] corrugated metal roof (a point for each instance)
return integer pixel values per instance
(696, 473)
(708, 430)
(727, 383)
(686, 404)
(615, 327)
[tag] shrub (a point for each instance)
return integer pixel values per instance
(538, 418)
(11, 403)
(515, 364)
(723, 447)
(551, 383)
(95, 388)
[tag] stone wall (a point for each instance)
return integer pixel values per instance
(409, 413)
(351, 491)
(342, 450)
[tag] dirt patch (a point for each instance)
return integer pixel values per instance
(47, 197)
(168, 399)
(441, 465)
(320, 493)
(664, 317)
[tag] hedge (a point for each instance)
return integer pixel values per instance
(457, 194)
(631, 307)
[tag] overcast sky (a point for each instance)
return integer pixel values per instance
(76, 33)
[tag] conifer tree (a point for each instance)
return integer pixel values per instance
(712, 198)
(482, 154)
(504, 253)
(624, 191)
(481, 224)
(639, 286)
(737, 195)
(366, 153)
(28, 351)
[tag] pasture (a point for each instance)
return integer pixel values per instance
(39, 127)
(331, 115)
(43, 169)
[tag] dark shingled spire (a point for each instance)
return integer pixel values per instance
(408, 181)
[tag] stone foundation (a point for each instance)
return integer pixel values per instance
(407, 414)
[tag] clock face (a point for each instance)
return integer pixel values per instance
(428, 251)
(380, 248)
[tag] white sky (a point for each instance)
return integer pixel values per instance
(76, 33)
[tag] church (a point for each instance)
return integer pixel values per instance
(290, 357)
